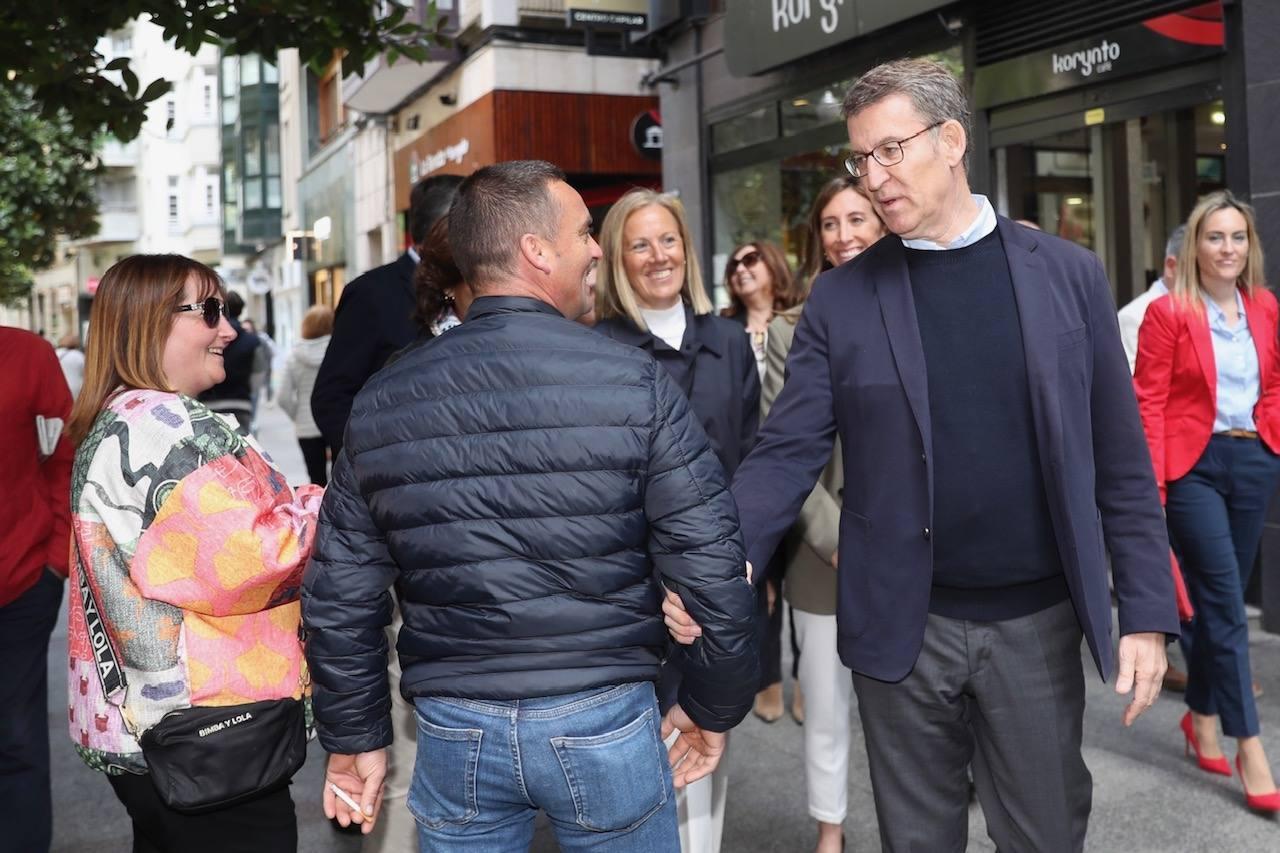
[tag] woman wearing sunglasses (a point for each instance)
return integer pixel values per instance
(760, 284)
(188, 550)
(842, 224)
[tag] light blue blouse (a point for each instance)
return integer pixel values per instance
(1236, 360)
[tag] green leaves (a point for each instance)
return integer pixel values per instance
(53, 47)
(46, 188)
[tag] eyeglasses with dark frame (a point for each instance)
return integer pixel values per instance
(212, 310)
(886, 153)
(749, 260)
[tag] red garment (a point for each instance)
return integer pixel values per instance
(1177, 381)
(35, 529)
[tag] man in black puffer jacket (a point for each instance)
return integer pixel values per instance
(528, 486)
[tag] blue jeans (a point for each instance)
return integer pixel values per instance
(593, 761)
(1216, 512)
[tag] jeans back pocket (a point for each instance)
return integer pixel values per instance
(617, 779)
(444, 778)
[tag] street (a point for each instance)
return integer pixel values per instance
(1147, 795)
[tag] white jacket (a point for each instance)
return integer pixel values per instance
(300, 371)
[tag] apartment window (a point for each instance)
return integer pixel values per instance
(210, 199)
(206, 97)
(249, 72)
(170, 114)
(121, 44)
(173, 210)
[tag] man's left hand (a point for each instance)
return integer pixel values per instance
(361, 777)
(1142, 666)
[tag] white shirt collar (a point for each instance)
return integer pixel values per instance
(983, 225)
(413, 253)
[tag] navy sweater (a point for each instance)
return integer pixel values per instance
(994, 551)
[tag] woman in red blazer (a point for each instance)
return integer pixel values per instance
(1208, 385)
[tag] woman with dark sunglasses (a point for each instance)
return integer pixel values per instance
(188, 551)
(760, 284)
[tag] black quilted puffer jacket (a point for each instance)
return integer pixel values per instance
(525, 483)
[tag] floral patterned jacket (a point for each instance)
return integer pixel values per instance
(188, 550)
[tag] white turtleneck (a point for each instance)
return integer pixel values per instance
(667, 324)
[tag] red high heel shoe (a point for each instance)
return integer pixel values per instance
(1267, 803)
(1209, 765)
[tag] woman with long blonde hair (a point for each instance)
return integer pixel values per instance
(1208, 384)
(650, 295)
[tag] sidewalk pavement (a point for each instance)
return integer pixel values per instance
(1147, 797)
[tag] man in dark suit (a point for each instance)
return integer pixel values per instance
(993, 455)
(375, 316)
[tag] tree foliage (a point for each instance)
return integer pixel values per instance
(51, 47)
(46, 189)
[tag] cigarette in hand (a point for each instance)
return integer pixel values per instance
(345, 797)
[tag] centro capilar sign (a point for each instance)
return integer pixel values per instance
(763, 34)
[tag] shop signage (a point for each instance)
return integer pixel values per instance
(763, 34)
(420, 167)
(1153, 44)
(614, 14)
(646, 134)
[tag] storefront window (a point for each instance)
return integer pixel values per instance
(749, 129)
(817, 108)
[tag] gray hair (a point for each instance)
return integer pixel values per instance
(1177, 237)
(493, 209)
(934, 91)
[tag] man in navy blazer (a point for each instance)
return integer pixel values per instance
(993, 456)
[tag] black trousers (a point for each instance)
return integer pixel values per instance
(313, 454)
(1006, 697)
(25, 626)
(263, 825)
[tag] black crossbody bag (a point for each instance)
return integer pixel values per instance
(206, 758)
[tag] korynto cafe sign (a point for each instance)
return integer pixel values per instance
(764, 34)
(1156, 43)
(611, 14)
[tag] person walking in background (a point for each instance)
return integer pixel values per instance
(760, 284)
(982, 476)
(300, 369)
(188, 553)
(1208, 384)
(651, 296)
(525, 483)
(35, 475)
(375, 316)
(260, 374)
(233, 394)
(71, 359)
(1131, 315)
(842, 224)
